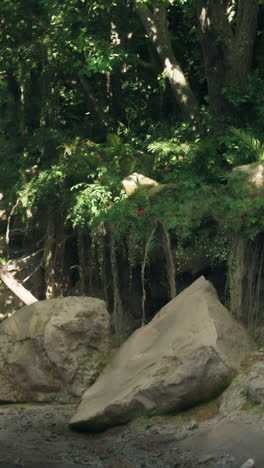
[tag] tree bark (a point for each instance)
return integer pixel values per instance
(227, 40)
(245, 36)
(115, 91)
(156, 26)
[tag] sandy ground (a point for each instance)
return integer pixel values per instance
(38, 436)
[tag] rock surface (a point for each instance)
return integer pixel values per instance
(247, 387)
(254, 173)
(37, 436)
(134, 181)
(185, 355)
(255, 386)
(248, 464)
(51, 350)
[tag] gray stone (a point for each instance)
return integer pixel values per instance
(206, 458)
(134, 181)
(51, 350)
(235, 397)
(247, 386)
(187, 354)
(255, 385)
(248, 464)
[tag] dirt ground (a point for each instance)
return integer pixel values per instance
(38, 436)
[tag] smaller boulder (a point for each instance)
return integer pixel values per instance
(53, 350)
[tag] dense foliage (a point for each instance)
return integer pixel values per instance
(89, 94)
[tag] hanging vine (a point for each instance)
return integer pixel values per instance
(143, 267)
(171, 270)
(118, 318)
(235, 276)
(254, 256)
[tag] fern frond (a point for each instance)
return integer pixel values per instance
(165, 148)
(252, 143)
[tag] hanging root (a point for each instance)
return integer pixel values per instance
(245, 280)
(171, 271)
(254, 256)
(143, 267)
(7, 235)
(117, 308)
(235, 276)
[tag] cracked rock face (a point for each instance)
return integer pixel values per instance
(51, 350)
(185, 355)
(248, 386)
(255, 384)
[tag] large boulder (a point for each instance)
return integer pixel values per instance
(187, 354)
(52, 350)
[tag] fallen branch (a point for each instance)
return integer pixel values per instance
(19, 264)
(22, 293)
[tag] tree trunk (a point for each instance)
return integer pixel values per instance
(227, 40)
(114, 88)
(155, 24)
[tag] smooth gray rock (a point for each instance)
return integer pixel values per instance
(187, 354)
